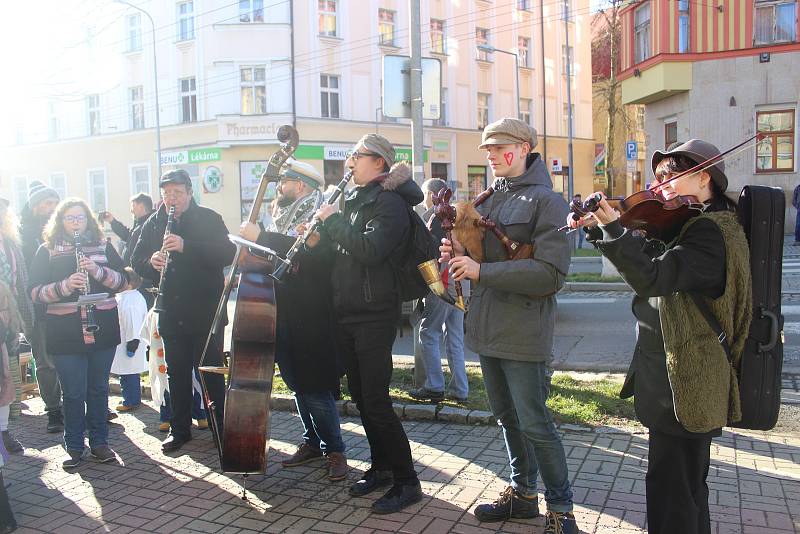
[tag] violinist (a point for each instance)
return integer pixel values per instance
(683, 384)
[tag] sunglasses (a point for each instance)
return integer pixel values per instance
(356, 154)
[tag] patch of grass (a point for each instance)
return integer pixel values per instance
(592, 277)
(586, 402)
(585, 252)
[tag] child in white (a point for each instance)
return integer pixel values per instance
(130, 359)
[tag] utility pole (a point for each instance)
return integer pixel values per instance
(544, 88)
(571, 186)
(417, 154)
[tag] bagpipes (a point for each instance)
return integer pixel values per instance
(466, 225)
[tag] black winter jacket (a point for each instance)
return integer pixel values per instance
(129, 236)
(369, 237)
(194, 278)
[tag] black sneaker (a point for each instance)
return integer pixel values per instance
(560, 523)
(427, 394)
(399, 497)
(372, 480)
(510, 505)
(74, 459)
(55, 421)
(103, 454)
(11, 443)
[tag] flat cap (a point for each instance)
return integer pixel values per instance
(508, 132)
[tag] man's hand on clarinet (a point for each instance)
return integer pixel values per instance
(312, 240)
(249, 231)
(172, 243)
(158, 260)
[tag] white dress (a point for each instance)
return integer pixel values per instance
(132, 309)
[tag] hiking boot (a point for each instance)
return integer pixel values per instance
(163, 426)
(127, 408)
(426, 394)
(372, 480)
(398, 497)
(55, 421)
(202, 424)
(510, 505)
(305, 453)
(74, 459)
(11, 443)
(560, 523)
(103, 454)
(337, 466)
(456, 398)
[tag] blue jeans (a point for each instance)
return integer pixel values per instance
(437, 315)
(320, 421)
(131, 389)
(517, 393)
(84, 383)
(198, 412)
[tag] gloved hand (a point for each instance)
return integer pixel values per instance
(131, 347)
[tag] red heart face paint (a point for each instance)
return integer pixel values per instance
(509, 157)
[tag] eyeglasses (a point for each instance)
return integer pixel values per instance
(75, 218)
(354, 155)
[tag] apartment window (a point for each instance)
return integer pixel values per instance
(442, 120)
(437, 36)
(670, 133)
(329, 96)
(566, 115)
(386, 27)
(93, 113)
(58, 181)
(254, 90)
(567, 60)
(136, 101)
(523, 51)
(251, 10)
(20, 191)
(775, 22)
(134, 32)
(327, 17)
(188, 99)
(97, 190)
(776, 152)
(523, 5)
(140, 179)
(476, 180)
(482, 39)
(185, 21)
(525, 108)
(483, 110)
(641, 33)
(683, 26)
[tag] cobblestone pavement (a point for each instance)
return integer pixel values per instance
(754, 483)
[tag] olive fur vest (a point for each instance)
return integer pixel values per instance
(705, 388)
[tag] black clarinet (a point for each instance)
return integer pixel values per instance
(284, 264)
(159, 304)
(89, 324)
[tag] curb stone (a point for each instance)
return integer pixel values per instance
(453, 415)
(479, 417)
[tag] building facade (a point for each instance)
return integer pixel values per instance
(719, 72)
(230, 74)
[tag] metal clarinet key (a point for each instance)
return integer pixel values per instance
(159, 304)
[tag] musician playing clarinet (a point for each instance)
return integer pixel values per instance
(199, 250)
(82, 354)
(511, 319)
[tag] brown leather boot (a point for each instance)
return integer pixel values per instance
(337, 466)
(305, 453)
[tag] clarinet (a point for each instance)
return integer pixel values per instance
(159, 304)
(89, 324)
(313, 226)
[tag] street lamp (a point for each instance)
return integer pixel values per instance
(155, 81)
(490, 48)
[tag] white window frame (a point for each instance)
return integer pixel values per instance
(571, 51)
(441, 34)
(185, 20)
(61, 189)
(190, 94)
(133, 26)
(132, 168)
(484, 110)
(20, 191)
(776, 108)
(252, 85)
(641, 33)
(386, 38)
(136, 106)
(524, 52)
(524, 5)
(252, 13)
(773, 5)
(90, 188)
(324, 15)
(93, 114)
(485, 39)
(684, 27)
(327, 92)
(526, 111)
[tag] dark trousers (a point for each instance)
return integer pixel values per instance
(46, 376)
(677, 493)
(797, 227)
(183, 351)
(366, 349)
(6, 516)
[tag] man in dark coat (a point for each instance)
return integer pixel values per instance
(370, 236)
(42, 202)
(796, 204)
(199, 251)
(305, 347)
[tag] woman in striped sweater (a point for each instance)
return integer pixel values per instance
(82, 359)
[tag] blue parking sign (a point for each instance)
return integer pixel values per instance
(631, 151)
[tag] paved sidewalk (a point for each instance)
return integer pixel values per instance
(754, 481)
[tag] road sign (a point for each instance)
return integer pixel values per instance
(555, 164)
(632, 165)
(631, 151)
(396, 96)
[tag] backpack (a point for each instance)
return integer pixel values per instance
(760, 211)
(420, 247)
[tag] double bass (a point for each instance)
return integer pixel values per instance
(242, 437)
